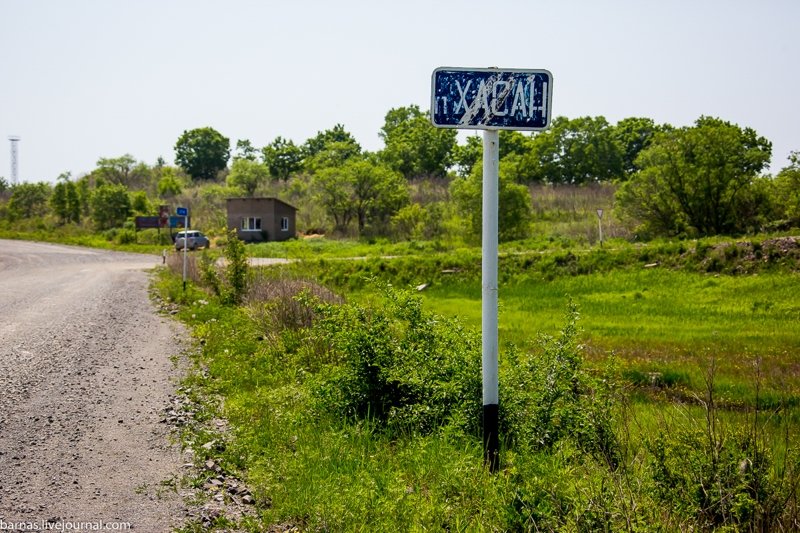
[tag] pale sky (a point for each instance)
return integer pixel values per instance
(85, 79)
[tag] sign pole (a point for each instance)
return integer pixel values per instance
(491, 99)
(185, 246)
(183, 211)
(600, 226)
(489, 343)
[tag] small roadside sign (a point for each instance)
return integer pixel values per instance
(182, 211)
(599, 213)
(509, 99)
(490, 99)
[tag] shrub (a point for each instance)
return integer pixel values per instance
(235, 270)
(550, 397)
(402, 367)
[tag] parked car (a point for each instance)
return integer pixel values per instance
(194, 239)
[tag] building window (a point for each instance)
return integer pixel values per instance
(285, 224)
(251, 224)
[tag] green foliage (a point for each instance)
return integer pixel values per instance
(551, 397)
(235, 270)
(202, 153)
(363, 191)
(247, 175)
(123, 170)
(414, 146)
(420, 223)
(282, 158)
(514, 216)
(126, 236)
(280, 364)
(633, 135)
(65, 201)
(402, 367)
(693, 178)
(209, 276)
(29, 200)
(245, 150)
(333, 146)
(787, 195)
(581, 150)
(140, 203)
(716, 474)
(467, 155)
(169, 186)
(110, 205)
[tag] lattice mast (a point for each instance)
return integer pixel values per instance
(14, 159)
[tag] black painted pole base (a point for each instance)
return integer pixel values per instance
(491, 440)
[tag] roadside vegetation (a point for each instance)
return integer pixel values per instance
(647, 388)
(649, 381)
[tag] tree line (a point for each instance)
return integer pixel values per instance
(703, 179)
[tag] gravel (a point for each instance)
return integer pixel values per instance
(86, 374)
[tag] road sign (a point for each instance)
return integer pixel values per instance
(599, 213)
(511, 99)
(490, 99)
(182, 211)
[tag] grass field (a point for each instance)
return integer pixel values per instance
(657, 320)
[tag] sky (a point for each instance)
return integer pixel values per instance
(82, 80)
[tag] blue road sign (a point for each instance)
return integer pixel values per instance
(182, 211)
(511, 99)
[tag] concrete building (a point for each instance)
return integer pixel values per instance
(262, 219)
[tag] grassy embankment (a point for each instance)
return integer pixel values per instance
(670, 312)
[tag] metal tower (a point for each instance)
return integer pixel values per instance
(14, 159)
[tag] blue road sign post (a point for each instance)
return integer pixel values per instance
(491, 100)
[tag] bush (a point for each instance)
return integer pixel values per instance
(550, 397)
(126, 236)
(235, 270)
(402, 367)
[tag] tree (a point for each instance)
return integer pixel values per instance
(692, 178)
(323, 140)
(283, 158)
(787, 185)
(514, 217)
(576, 151)
(414, 146)
(29, 200)
(140, 203)
(633, 135)
(110, 206)
(123, 170)
(65, 200)
(202, 153)
(169, 186)
(465, 156)
(362, 190)
(245, 150)
(247, 175)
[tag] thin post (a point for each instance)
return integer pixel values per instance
(185, 246)
(600, 226)
(489, 344)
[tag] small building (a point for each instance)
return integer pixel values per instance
(262, 219)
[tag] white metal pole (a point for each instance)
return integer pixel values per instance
(491, 166)
(185, 245)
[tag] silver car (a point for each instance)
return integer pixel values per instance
(194, 239)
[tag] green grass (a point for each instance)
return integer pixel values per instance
(309, 470)
(656, 319)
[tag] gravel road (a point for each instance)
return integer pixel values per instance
(85, 373)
